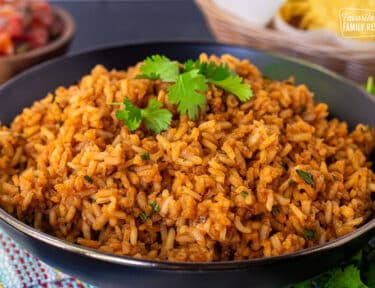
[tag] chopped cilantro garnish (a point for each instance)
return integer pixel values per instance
(88, 179)
(306, 176)
(144, 216)
(310, 234)
(335, 177)
(154, 118)
(159, 67)
(154, 208)
(145, 156)
(244, 193)
(275, 210)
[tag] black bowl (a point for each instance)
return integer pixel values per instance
(345, 99)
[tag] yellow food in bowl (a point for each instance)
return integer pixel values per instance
(322, 14)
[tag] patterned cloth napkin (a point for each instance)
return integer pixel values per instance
(19, 269)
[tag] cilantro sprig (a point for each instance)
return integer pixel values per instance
(153, 116)
(187, 92)
(221, 76)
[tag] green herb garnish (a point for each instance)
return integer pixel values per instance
(159, 67)
(188, 93)
(310, 234)
(144, 216)
(275, 210)
(221, 76)
(335, 177)
(244, 193)
(154, 208)
(145, 156)
(88, 179)
(154, 118)
(306, 176)
(188, 90)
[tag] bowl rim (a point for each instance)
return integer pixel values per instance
(66, 35)
(30, 231)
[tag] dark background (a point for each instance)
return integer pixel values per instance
(104, 22)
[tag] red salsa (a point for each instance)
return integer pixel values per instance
(26, 25)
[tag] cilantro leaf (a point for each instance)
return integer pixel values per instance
(221, 76)
(244, 193)
(154, 118)
(159, 67)
(306, 176)
(145, 156)
(210, 70)
(131, 115)
(347, 278)
(232, 84)
(88, 179)
(187, 93)
(275, 210)
(190, 65)
(310, 234)
(154, 209)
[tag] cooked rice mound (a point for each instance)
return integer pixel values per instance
(226, 184)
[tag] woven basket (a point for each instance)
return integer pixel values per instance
(354, 63)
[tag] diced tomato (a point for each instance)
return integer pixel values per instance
(6, 46)
(15, 25)
(11, 21)
(37, 36)
(25, 23)
(42, 13)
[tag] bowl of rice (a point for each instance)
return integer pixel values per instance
(238, 167)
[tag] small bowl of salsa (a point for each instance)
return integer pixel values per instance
(31, 32)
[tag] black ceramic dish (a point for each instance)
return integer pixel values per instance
(345, 100)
